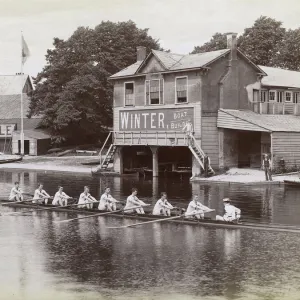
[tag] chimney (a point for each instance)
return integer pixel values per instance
(141, 53)
(232, 44)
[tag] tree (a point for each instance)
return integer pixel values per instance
(288, 54)
(261, 41)
(217, 42)
(73, 93)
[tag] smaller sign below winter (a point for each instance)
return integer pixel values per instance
(6, 130)
(167, 119)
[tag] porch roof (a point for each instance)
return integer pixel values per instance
(248, 120)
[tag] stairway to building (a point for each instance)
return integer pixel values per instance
(200, 155)
(109, 157)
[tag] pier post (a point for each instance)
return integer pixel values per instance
(154, 161)
(118, 160)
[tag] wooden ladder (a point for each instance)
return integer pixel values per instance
(108, 157)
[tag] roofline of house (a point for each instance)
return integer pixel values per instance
(252, 63)
(272, 86)
(163, 72)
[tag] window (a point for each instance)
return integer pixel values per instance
(272, 95)
(129, 93)
(296, 97)
(263, 96)
(288, 96)
(255, 95)
(181, 89)
(154, 91)
(280, 96)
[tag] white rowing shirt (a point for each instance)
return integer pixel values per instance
(83, 198)
(195, 206)
(161, 205)
(132, 202)
(231, 212)
(38, 194)
(105, 198)
(14, 192)
(59, 196)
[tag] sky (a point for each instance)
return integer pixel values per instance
(178, 24)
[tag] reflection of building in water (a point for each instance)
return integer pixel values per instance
(158, 235)
(232, 242)
(267, 204)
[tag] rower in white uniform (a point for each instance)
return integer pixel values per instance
(40, 195)
(16, 193)
(85, 199)
(60, 197)
(107, 202)
(196, 209)
(135, 203)
(232, 213)
(162, 206)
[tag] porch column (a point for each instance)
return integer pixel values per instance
(118, 161)
(154, 160)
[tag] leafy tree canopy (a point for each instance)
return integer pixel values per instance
(72, 92)
(217, 42)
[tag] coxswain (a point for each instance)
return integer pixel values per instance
(16, 193)
(60, 197)
(196, 209)
(107, 202)
(132, 202)
(162, 206)
(232, 213)
(40, 195)
(85, 199)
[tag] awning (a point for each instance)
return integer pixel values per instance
(251, 121)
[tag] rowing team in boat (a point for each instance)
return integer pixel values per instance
(162, 207)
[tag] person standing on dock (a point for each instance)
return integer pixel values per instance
(107, 202)
(232, 213)
(60, 197)
(162, 206)
(16, 193)
(85, 199)
(132, 202)
(188, 129)
(266, 164)
(196, 209)
(40, 195)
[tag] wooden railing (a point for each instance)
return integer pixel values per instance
(276, 108)
(158, 138)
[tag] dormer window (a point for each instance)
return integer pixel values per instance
(129, 93)
(154, 91)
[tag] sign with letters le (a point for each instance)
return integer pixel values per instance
(6, 130)
(164, 119)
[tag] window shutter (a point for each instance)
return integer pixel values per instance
(147, 92)
(161, 91)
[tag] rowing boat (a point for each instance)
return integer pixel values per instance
(291, 182)
(147, 217)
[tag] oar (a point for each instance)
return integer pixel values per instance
(101, 214)
(155, 221)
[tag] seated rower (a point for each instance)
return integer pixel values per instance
(132, 202)
(107, 202)
(60, 197)
(85, 199)
(16, 193)
(232, 213)
(196, 209)
(162, 206)
(40, 195)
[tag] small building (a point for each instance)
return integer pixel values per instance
(238, 111)
(10, 117)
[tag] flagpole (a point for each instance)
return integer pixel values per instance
(22, 121)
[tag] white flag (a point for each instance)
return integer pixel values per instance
(25, 51)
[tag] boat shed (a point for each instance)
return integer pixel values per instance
(36, 142)
(247, 135)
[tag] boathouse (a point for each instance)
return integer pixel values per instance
(238, 111)
(10, 117)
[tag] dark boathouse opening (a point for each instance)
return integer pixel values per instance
(136, 157)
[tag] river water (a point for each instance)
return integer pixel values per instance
(41, 259)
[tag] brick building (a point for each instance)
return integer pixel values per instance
(238, 110)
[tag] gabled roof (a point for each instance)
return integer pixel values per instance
(248, 120)
(37, 134)
(281, 77)
(12, 84)
(176, 62)
(10, 106)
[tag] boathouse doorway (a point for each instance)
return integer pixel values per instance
(249, 149)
